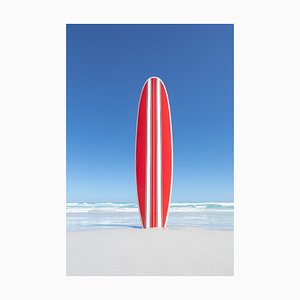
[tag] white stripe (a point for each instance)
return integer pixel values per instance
(148, 157)
(158, 155)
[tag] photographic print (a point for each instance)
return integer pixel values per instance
(150, 149)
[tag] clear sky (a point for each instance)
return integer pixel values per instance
(107, 66)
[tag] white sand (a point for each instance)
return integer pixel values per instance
(190, 251)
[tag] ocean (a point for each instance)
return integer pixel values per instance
(87, 216)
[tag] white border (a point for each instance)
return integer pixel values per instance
(266, 150)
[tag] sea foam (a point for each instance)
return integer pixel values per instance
(85, 215)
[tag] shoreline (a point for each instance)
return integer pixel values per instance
(124, 227)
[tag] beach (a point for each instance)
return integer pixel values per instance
(154, 252)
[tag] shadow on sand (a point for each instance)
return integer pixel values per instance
(115, 226)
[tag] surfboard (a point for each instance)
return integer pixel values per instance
(154, 154)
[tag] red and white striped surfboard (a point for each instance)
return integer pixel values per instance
(154, 154)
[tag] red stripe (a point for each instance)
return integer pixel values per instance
(166, 154)
(141, 142)
(153, 152)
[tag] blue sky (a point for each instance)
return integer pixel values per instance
(107, 66)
